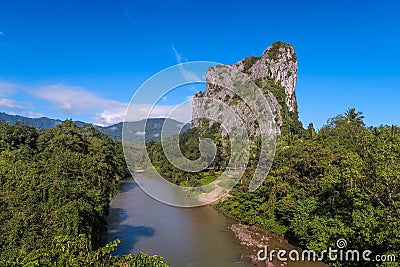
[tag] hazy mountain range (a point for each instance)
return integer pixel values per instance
(135, 129)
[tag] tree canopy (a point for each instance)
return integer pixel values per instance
(342, 182)
(55, 189)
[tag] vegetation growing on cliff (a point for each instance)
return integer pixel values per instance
(248, 62)
(274, 52)
(55, 186)
(291, 125)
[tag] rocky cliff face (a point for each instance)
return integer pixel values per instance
(279, 64)
(275, 72)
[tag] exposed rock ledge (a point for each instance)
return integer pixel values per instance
(253, 239)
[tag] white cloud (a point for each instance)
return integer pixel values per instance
(188, 75)
(129, 16)
(72, 100)
(141, 111)
(10, 104)
(110, 115)
(178, 56)
(32, 114)
(7, 88)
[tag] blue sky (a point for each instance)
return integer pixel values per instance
(84, 59)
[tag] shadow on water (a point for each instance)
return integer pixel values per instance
(116, 215)
(127, 186)
(129, 234)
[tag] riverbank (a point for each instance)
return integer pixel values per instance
(253, 239)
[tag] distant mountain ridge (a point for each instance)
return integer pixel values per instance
(152, 126)
(40, 123)
(152, 133)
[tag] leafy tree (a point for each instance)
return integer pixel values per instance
(77, 251)
(352, 116)
(311, 132)
(349, 116)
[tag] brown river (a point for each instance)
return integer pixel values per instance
(185, 237)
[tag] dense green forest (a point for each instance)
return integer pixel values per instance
(55, 189)
(340, 182)
(189, 145)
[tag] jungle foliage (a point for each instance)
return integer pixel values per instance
(55, 188)
(342, 182)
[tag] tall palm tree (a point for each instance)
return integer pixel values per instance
(352, 116)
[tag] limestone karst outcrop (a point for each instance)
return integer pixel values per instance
(275, 72)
